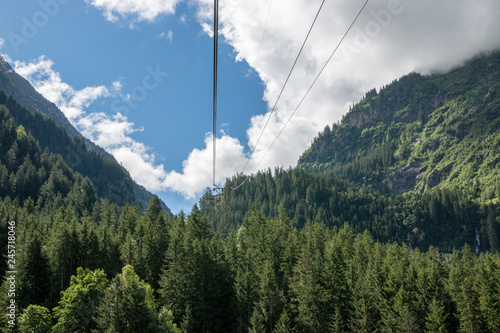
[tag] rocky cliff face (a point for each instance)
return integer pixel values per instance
(4, 65)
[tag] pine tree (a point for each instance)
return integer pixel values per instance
(489, 291)
(308, 295)
(90, 249)
(436, 318)
(284, 324)
(156, 241)
(365, 281)
(398, 294)
(246, 285)
(335, 284)
(462, 288)
(174, 283)
(269, 307)
(35, 278)
(195, 283)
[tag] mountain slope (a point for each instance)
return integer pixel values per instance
(24, 93)
(52, 130)
(420, 132)
(417, 162)
(28, 172)
(111, 181)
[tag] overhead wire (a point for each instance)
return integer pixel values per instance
(307, 92)
(284, 85)
(216, 44)
(312, 85)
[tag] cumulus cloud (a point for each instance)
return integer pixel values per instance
(134, 11)
(112, 132)
(197, 173)
(49, 83)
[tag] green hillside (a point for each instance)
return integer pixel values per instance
(443, 218)
(420, 132)
(52, 130)
(111, 181)
(417, 162)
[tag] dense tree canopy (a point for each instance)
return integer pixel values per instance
(265, 276)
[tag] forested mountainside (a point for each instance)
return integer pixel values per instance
(420, 132)
(52, 130)
(443, 218)
(29, 139)
(417, 162)
(17, 86)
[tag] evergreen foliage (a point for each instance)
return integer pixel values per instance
(444, 218)
(265, 276)
(109, 178)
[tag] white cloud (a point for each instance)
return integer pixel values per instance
(49, 83)
(133, 11)
(117, 86)
(169, 35)
(112, 132)
(141, 165)
(2, 42)
(197, 172)
(390, 39)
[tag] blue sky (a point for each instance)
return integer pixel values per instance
(135, 76)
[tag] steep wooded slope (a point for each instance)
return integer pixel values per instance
(52, 130)
(420, 132)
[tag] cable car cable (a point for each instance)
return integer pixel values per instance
(216, 43)
(284, 85)
(307, 92)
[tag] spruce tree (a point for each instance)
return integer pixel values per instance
(436, 318)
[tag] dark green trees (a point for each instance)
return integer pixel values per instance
(127, 305)
(266, 276)
(444, 218)
(196, 283)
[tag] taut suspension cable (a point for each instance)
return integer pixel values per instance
(216, 44)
